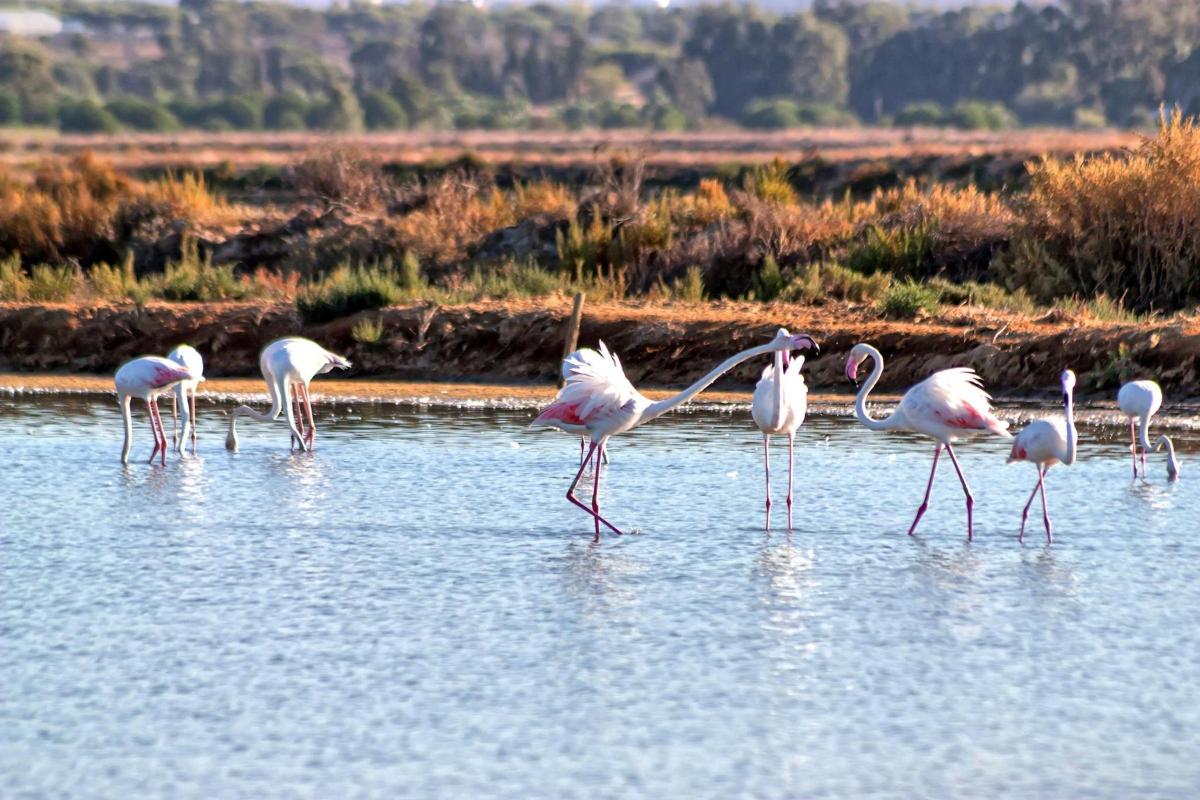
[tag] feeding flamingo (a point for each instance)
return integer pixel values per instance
(1139, 400)
(1044, 443)
(185, 390)
(600, 398)
(146, 378)
(288, 366)
(946, 405)
(780, 402)
(1172, 463)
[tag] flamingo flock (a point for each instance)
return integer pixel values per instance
(597, 401)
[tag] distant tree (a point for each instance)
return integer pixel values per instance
(141, 115)
(10, 108)
(381, 112)
(85, 116)
(285, 112)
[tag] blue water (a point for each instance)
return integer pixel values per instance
(415, 611)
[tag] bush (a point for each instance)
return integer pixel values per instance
(10, 108)
(142, 115)
(192, 279)
(241, 113)
(975, 115)
(348, 290)
(367, 331)
(381, 112)
(53, 284)
(285, 112)
(822, 281)
(927, 113)
(772, 114)
(86, 116)
(668, 118)
(14, 283)
(770, 279)
(908, 299)
(770, 183)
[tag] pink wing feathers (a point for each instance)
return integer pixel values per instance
(955, 398)
(595, 387)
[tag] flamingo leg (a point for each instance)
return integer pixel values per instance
(1025, 511)
(193, 421)
(174, 420)
(596, 494)
(604, 452)
(299, 417)
(791, 470)
(1133, 445)
(1045, 512)
(153, 431)
(312, 425)
(162, 434)
(966, 490)
(581, 438)
(767, 471)
(575, 500)
(928, 488)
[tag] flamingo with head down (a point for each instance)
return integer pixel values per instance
(147, 378)
(185, 391)
(598, 397)
(947, 405)
(1139, 400)
(289, 365)
(1044, 443)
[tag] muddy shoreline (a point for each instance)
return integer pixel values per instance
(660, 344)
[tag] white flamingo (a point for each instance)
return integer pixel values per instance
(599, 397)
(1139, 400)
(1044, 443)
(780, 402)
(185, 392)
(288, 366)
(147, 378)
(568, 366)
(946, 405)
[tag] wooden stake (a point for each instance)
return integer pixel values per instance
(573, 324)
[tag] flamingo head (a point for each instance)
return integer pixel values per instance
(1068, 384)
(793, 341)
(335, 362)
(858, 354)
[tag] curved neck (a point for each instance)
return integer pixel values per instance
(278, 392)
(128, 420)
(1172, 462)
(1072, 436)
(663, 406)
(860, 403)
(1143, 432)
(778, 389)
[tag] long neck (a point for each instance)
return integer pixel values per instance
(128, 420)
(279, 397)
(778, 389)
(860, 403)
(1172, 462)
(1072, 436)
(185, 416)
(663, 406)
(1143, 432)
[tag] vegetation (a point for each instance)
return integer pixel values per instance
(1107, 236)
(218, 65)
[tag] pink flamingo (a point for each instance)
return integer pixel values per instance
(780, 402)
(600, 398)
(185, 391)
(1139, 400)
(1044, 443)
(288, 366)
(147, 378)
(946, 405)
(579, 357)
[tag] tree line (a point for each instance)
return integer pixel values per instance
(216, 64)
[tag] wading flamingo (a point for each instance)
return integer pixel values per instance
(599, 397)
(946, 405)
(185, 391)
(1139, 400)
(1044, 443)
(780, 402)
(288, 366)
(146, 378)
(579, 357)
(1172, 463)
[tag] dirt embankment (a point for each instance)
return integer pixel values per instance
(659, 344)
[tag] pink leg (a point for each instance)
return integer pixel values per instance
(1133, 445)
(572, 498)
(966, 489)
(312, 426)
(791, 447)
(299, 415)
(581, 438)
(193, 399)
(928, 489)
(1025, 512)
(162, 434)
(1045, 512)
(153, 431)
(596, 494)
(767, 470)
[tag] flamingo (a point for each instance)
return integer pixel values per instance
(1172, 463)
(780, 402)
(288, 365)
(599, 397)
(946, 405)
(1044, 443)
(568, 366)
(1139, 400)
(146, 378)
(185, 390)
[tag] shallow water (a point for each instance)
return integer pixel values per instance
(416, 611)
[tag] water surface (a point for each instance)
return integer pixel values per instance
(415, 611)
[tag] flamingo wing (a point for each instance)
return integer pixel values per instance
(596, 387)
(953, 399)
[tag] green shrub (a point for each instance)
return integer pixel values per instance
(690, 287)
(771, 184)
(904, 250)
(193, 279)
(976, 115)
(668, 118)
(285, 112)
(49, 284)
(381, 112)
(926, 113)
(14, 283)
(114, 283)
(367, 331)
(770, 280)
(773, 114)
(142, 115)
(409, 277)
(85, 116)
(10, 108)
(908, 299)
(348, 290)
(823, 281)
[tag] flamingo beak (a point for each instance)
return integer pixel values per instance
(852, 369)
(787, 358)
